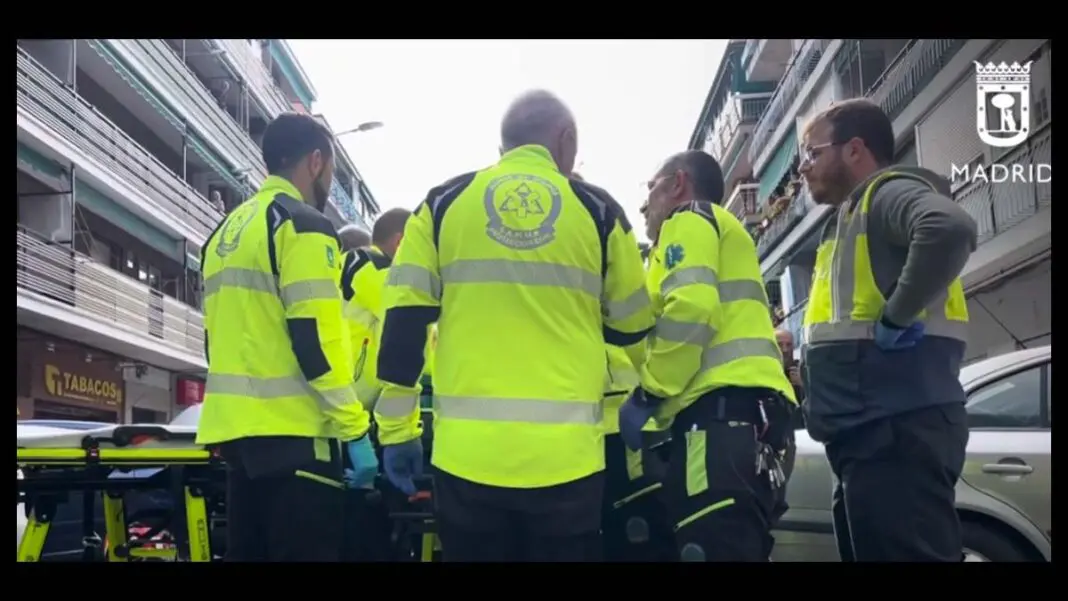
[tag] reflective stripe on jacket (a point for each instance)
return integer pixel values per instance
(528, 274)
(279, 356)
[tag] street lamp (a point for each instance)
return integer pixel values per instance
(368, 126)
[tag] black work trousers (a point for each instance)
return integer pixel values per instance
(284, 500)
(634, 522)
(720, 508)
(480, 523)
(895, 478)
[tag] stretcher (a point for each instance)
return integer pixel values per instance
(113, 464)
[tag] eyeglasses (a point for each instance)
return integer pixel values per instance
(809, 154)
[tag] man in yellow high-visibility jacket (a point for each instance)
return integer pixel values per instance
(363, 279)
(713, 366)
(528, 273)
(279, 391)
(885, 332)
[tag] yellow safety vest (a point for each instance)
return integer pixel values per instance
(363, 279)
(279, 356)
(713, 328)
(528, 274)
(845, 302)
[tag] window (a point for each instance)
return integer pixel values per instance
(1012, 402)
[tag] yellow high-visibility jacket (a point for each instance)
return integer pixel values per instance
(363, 279)
(279, 356)
(527, 274)
(712, 323)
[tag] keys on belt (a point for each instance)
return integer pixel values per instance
(770, 462)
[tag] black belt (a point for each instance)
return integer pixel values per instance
(738, 404)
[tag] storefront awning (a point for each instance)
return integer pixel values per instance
(778, 165)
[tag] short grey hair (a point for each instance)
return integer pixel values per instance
(535, 117)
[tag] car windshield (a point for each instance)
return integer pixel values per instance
(188, 417)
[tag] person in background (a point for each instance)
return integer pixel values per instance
(363, 279)
(352, 237)
(633, 521)
(884, 338)
(785, 338)
(790, 366)
(528, 274)
(277, 402)
(713, 366)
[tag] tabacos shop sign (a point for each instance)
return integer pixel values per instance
(67, 385)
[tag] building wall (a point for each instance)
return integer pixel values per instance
(149, 397)
(1018, 310)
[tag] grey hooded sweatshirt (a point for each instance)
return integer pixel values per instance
(919, 241)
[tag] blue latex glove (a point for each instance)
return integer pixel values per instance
(364, 463)
(890, 337)
(633, 416)
(402, 462)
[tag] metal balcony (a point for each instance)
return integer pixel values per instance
(782, 223)
(98, 292)
(910, 72)
(42, 96)
(201, 111)
(744, 203)
(765, 59)
(254, 72)
(797, 74)
(738, 112)
(160, 67)
(997, 207)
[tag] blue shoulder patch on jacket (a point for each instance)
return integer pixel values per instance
(674, 254)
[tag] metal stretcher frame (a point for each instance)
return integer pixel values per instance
(51, 472)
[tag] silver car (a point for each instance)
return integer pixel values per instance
(1003, 497)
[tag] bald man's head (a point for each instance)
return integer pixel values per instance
(539, 117)
(785, 338)
(352, 237)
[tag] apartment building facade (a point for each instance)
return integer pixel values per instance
(129, 152)
(765, 90)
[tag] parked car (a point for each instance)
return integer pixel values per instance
(1003, 497)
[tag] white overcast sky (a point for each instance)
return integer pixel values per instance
(636, 102)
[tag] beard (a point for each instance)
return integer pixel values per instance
(834, 188)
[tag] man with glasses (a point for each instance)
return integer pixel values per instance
(885, 335)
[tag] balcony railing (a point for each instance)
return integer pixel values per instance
(910, 72)
(744, 203)
(749, 51)
(344, 202)
(797, 74)
(45, 98)
(68, 277)
(739, 110)
(255, 74)
(209, 119)
(782, 223)
(998, 206)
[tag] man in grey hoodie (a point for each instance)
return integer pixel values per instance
(884, 338)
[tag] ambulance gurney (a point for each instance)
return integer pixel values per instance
(154, 478)
(385, 525)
